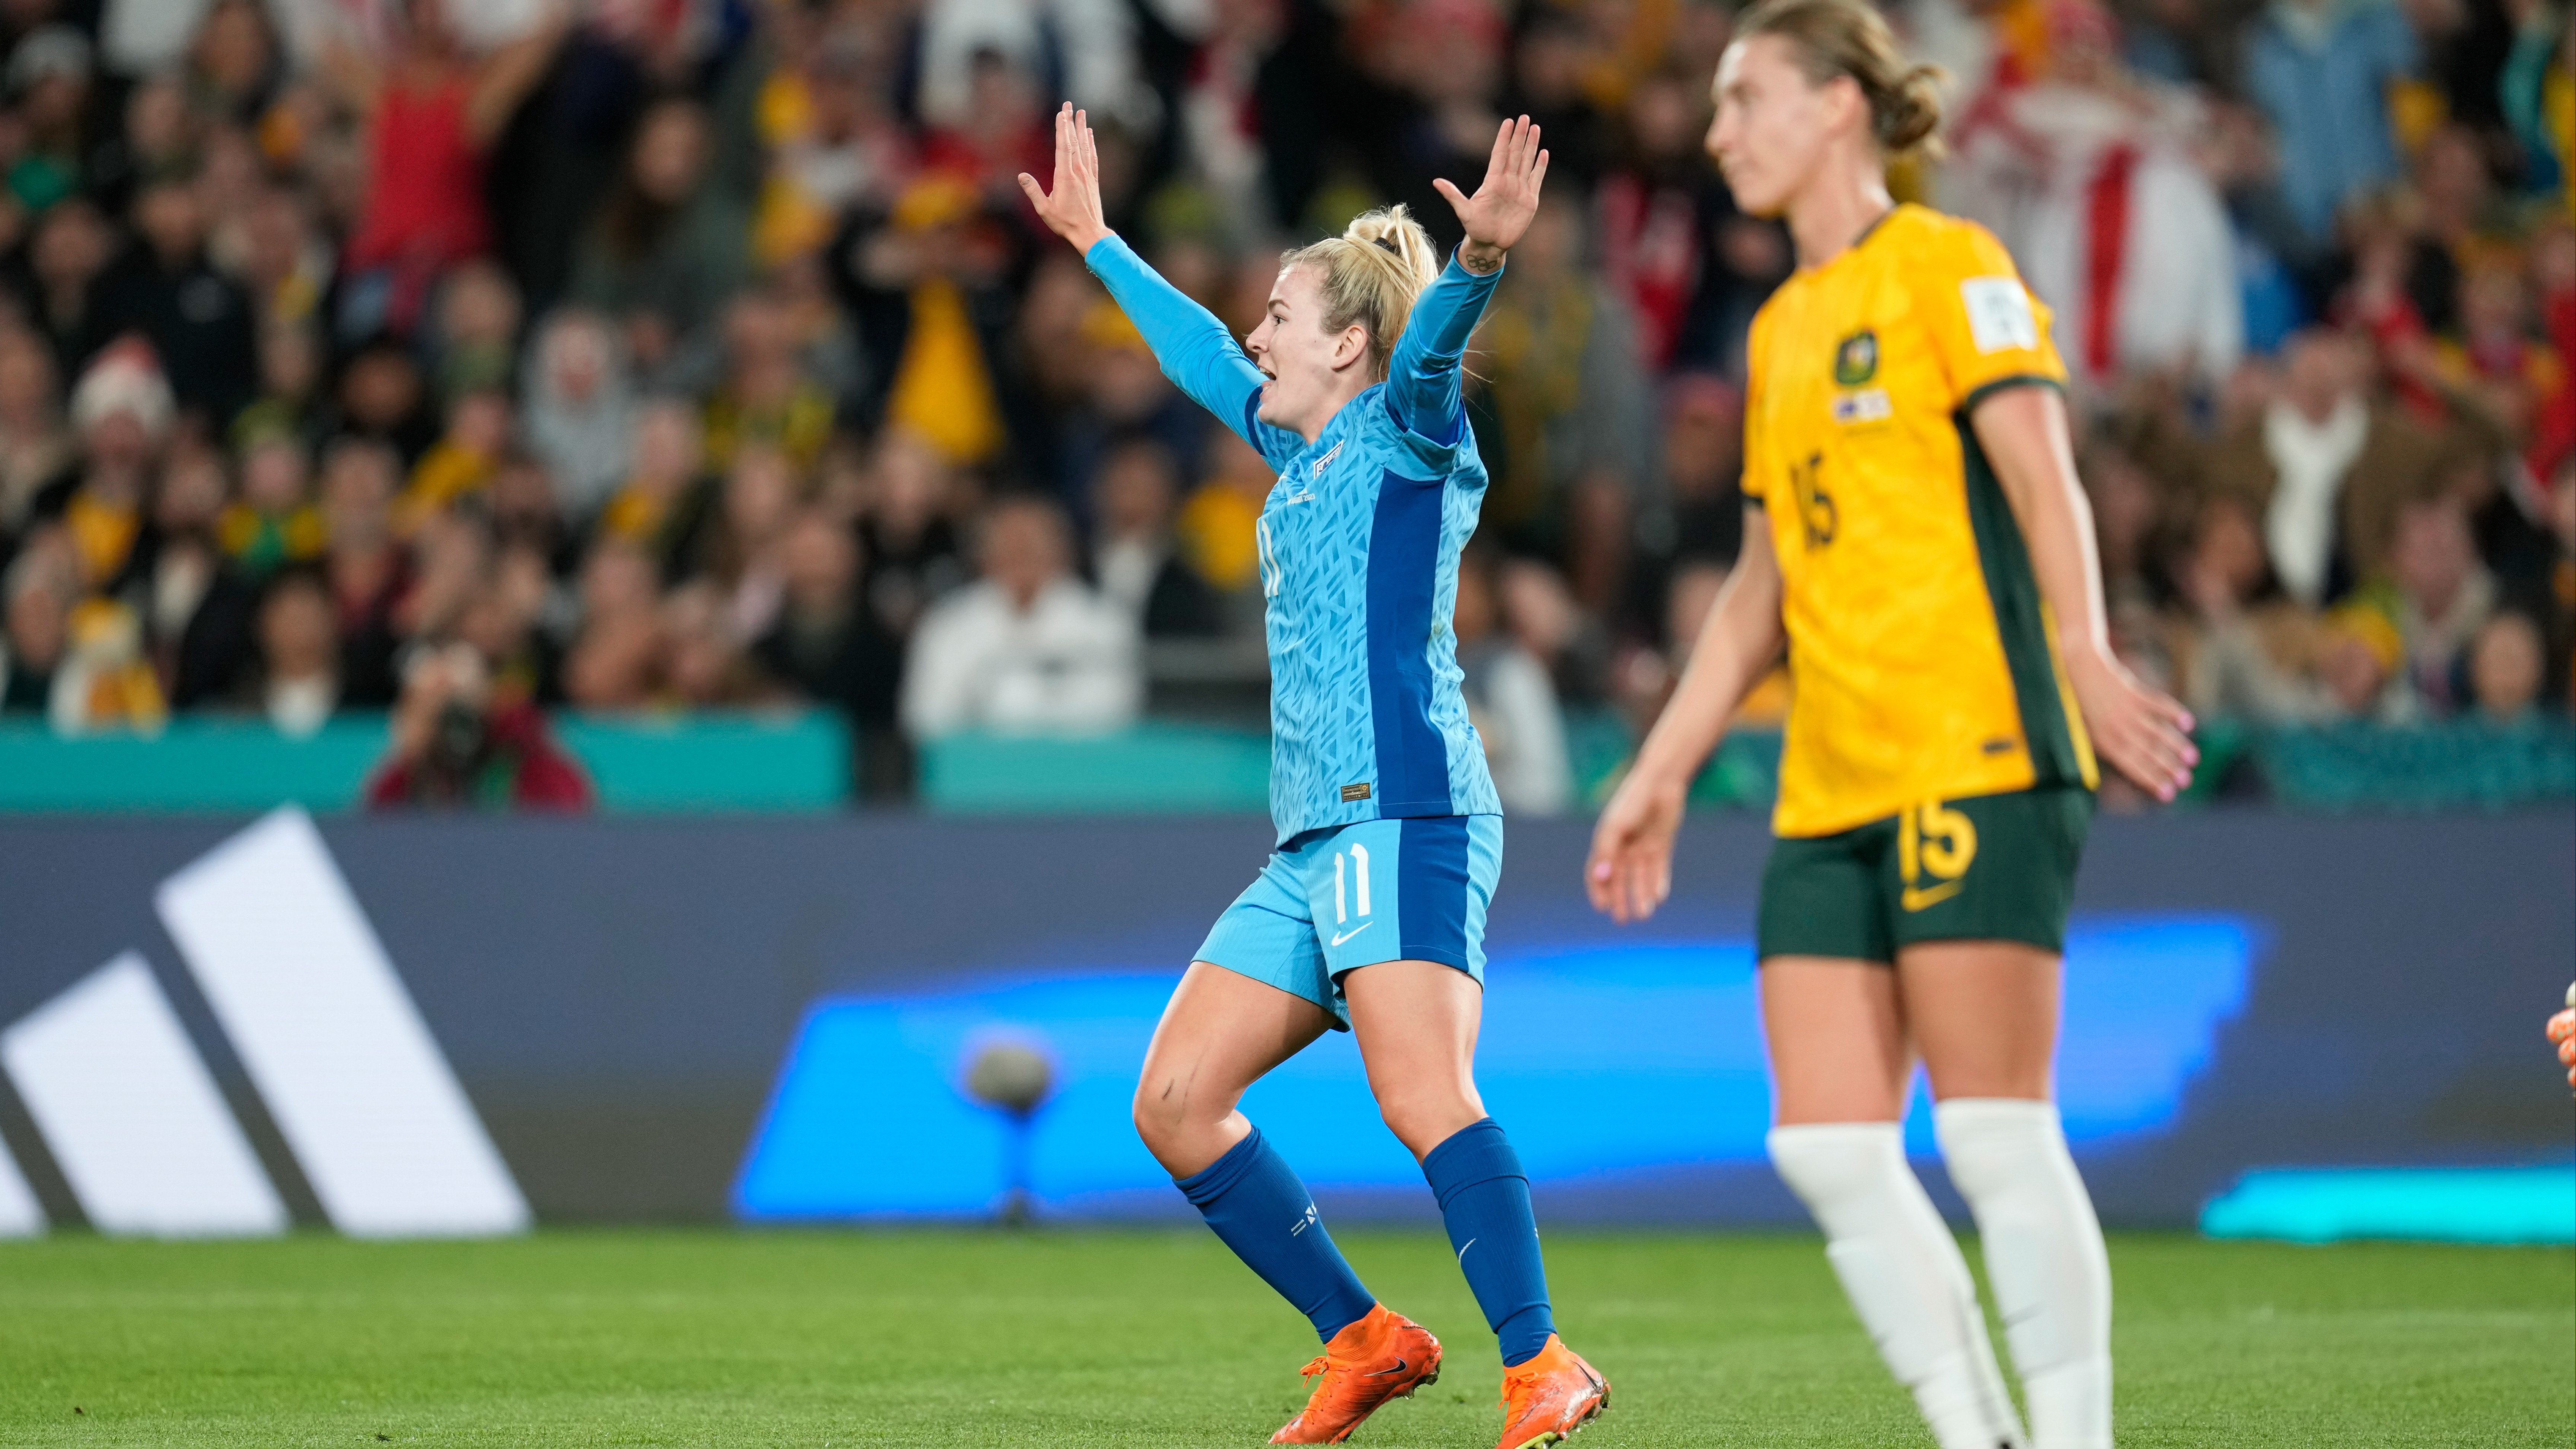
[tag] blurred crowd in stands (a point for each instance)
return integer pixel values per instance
(472, 358)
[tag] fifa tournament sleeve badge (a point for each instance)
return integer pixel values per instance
(1999, 315)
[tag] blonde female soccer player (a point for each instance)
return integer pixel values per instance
(1370, 915)
(1924, 551)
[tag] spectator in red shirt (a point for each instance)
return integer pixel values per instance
(433, 111)
(457, 742)
(1002, 133)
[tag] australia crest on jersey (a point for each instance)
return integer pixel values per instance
(1856, 358)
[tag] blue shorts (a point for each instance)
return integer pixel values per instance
(1332, 901)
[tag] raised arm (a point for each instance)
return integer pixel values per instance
(1196, 351)
(509, 73)
(351, 73)
(1422, 377)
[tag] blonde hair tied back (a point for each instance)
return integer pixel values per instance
(1370, 275)
(1850, 38)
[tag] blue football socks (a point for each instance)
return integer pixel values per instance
(1484, 1198)
(1252, 1199)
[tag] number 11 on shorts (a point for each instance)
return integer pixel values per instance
(1356, 862)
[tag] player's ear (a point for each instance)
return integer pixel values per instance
(1350, 347)
(1844, 99)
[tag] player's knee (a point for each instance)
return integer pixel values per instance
(1830, 1163)
(1423, 1117)
(1992, 1146)
(1157, 1118)
(1171, 1124)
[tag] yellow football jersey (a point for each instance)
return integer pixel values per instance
(1920, 654)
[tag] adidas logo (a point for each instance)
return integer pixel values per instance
(302, 990)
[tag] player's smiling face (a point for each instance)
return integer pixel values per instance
(1305, 368)
(1774, 126)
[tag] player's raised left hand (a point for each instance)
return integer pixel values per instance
(1500, 211)
(1072, 208)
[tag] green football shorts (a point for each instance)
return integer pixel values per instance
(1991, 868)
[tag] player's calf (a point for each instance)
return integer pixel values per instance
(1903, 1273)
(2044, 1255)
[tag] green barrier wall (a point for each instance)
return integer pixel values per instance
(1743, 773)
(2459, 765)
(790, 763)
(1153, 767)
(195, 766)
(771, 764)
(799, 763)
(2434, 767)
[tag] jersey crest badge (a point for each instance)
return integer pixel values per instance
(1856, 359)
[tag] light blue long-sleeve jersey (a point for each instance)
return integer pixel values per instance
(1359, 557)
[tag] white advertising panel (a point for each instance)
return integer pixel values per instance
(133, 1116)
(322, 1023)
(20, 1214)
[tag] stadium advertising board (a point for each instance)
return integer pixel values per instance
(455, 1025)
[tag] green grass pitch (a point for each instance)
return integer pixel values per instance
(1158, 1338)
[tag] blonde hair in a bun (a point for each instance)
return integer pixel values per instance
(1370, 275)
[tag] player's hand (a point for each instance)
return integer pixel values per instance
(1630, 870)
(1071, 208)
(2139, 731)
(1500, 211)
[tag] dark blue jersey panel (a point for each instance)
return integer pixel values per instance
(1431, 889)
(1403, 566)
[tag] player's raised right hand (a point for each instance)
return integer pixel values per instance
(1630, 870)
(1071, 207)
(1497, 216)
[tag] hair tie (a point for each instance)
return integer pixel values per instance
(1388, 242)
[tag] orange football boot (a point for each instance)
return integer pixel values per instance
(1549, 1396)
(1383, 1356)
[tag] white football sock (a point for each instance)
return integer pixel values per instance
(2044, 1256)
(1902, 1271)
